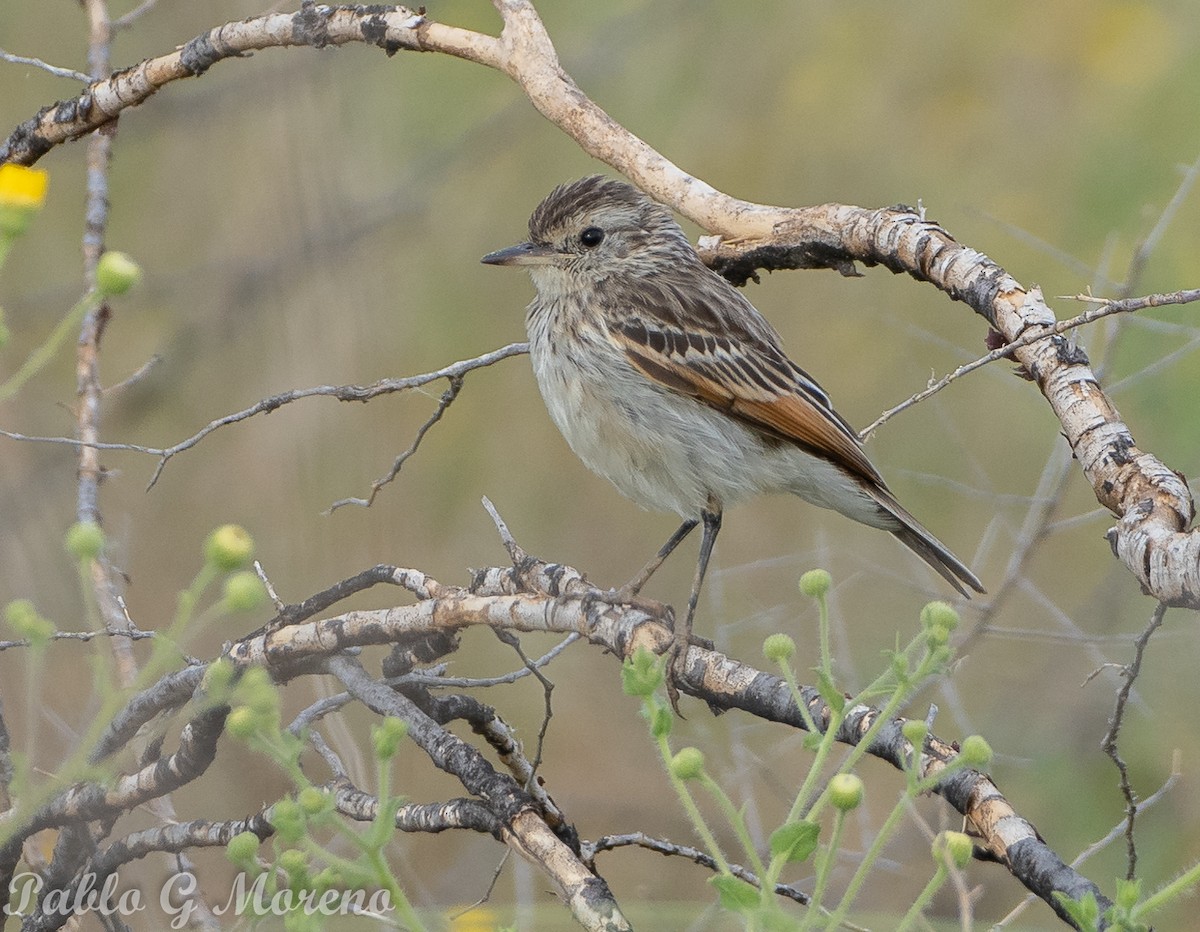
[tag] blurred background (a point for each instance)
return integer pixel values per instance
(316, 217)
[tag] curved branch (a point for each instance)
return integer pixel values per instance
(535, 596)
(1151, 501)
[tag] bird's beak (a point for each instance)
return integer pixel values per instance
(522, 254)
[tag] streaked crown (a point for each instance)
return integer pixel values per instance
(597, 221)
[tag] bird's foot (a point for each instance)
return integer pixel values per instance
(677, 655)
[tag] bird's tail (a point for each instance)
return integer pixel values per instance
(916, 538)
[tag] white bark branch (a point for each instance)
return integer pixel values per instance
(1152, 502)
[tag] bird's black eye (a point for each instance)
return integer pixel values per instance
(591, 237)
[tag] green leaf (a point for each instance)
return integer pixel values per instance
(736, 895)
(795, 841)
(829, 692)
(1128, 893)
(1085, 912)
(642, 674)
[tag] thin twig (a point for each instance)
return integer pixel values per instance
(1109, 744)
(45, 66)
(341, 393)
(1106, 308)
(1101, 843)
(85, 636)
(447, 399)
(124, 22)
(267, 405)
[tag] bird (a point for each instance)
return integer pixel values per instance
(664, 379)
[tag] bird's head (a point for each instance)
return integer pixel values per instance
(593, 228)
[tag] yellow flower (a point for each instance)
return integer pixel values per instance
(22, 187)
(22, 191)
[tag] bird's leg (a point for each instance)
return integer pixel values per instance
(711, 518)
(634, 586)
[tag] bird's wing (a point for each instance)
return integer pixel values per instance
(715, 347)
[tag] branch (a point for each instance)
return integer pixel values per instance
(45, 66)
(539, 597)
(587, 896)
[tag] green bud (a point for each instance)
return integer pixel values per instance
(218, 679)
(940, 655)
(845, 791)
(815, 583)
(229, 547)
(939, 615)
(14, 221)
(688, 764)
(242, 847)
(778, 648)
(953, 848)
(327, 879)
(25, 622)
(294, 863)
(936, 637)
(256, 690)
(313, 801)
(387, 736)
(242, 722)
(244, 592)
(289, 822)
(19, 611)
(975, 751)
(116, 273)
(85, 540)
(915, 733)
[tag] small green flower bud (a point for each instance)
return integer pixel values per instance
(85, 540)
(327, 879)
(688, 764)
(915, 733)
(218, 679)
(387, 736)
(25, 622)
(19, 611)
(936, 637)
(116, 273)
(954, 848)
(778, 648)
(845, 791)
(242, 847)
(939, 615)
(288, 819)
(244, 592)
(312, 800)
(256, 690)
(815, 583)
(294, 863)
(242, 722)
(975, 751)
(940, 655)
(229, 547)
